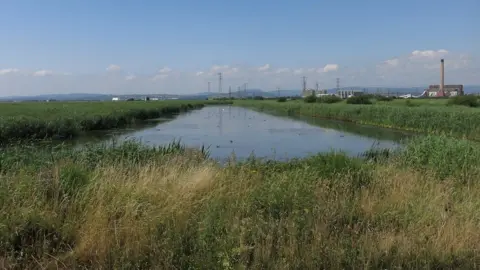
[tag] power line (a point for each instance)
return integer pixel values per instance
(338, 84)
(278, 91)
(209, 87)
(220, 82)
(230, 92)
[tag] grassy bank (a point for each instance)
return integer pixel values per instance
(455, 121)
(171, 208)
(61, 120)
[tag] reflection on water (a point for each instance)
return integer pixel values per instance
(227, 129)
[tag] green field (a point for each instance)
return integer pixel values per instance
(422, 117)
(40, 120)
(135, 207)
(172, 208)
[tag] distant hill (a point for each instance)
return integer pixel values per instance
(81, 97)
(60, 97)
(472, 89)
(252, 92)
(203, 95)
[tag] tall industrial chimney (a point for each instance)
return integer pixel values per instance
(442, 76)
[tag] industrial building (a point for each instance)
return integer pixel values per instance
(448, 90)
(308, 92)
(442, 90)
(349, 93)
(321, 93)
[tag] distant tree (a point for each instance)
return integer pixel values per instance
(383, 98)
(328, 99)
(282, 99)
(310, 99)
(359, 100)
(467, 100)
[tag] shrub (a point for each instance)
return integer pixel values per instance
(329, 99)
(383, 98)
(310, 99)
(282, 99)
(468, 100)
(409, 103)
(359, 100)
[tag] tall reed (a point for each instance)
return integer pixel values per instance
(456, 121)
(129, 206)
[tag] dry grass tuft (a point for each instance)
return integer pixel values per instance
(174, 213)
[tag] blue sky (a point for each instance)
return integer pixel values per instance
(70, 44)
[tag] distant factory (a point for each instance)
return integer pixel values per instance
(442, 90)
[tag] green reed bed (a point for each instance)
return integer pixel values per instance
(456, 121)
(27, 121)
(135, 207)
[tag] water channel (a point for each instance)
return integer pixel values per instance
(228, 129)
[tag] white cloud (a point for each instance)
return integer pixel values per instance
(428, 54)
(298, 71)
(6, 71)
(165, 70)
(43, 73)
(113, 67)
(130, 77)
(330, 68)
(392, 62)
(225, 70)
(408, 69)
(282, 70)
(265, 67)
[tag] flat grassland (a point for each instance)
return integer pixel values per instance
(423, 116)
(131, 206)
(42, 120)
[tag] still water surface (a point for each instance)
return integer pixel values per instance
(228, 129)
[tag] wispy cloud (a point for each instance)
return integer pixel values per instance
(113, 67)
(43, 73)
(9, 71)
(417, 67)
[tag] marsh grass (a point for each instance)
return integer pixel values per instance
(65, 120)
(458, 121)
(129, 206)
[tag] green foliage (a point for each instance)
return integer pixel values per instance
(282, 99)
(458, 121)
(467, 100)
(329, 99)
(447, 157)
(73, 178)
(169, 206)
(310, 99)
(132, 206)
(409, 103)
(359, 100)
(383, 98)
(34, 121)
(258, 98)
